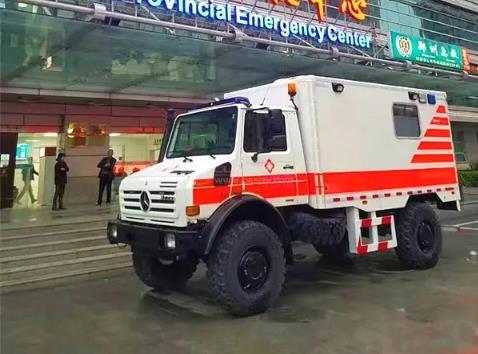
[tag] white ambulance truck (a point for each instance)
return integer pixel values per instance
(349, 167)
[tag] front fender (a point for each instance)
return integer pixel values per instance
(245, 207)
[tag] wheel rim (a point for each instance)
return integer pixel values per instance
(253, 269)
(426, 238)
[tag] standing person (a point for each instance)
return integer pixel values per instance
(106, 175)
(28, 175)
(61, 169)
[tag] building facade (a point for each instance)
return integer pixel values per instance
(85, 76)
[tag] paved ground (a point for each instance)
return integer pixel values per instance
(372, 306)
(470, 195)
(40, 216)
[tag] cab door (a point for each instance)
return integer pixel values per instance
(267, 158)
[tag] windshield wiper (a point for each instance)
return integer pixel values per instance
(214, 157)
(186, 159)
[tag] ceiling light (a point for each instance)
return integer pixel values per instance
(50, 135)
(115, 134)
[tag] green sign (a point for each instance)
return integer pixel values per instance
(22, 151)
(425, 51)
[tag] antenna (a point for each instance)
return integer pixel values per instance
(263, 100)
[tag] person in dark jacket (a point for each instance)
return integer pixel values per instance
(28, 175)
(106, 176)
(61, 169)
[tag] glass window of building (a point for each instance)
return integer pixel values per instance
(459, 144)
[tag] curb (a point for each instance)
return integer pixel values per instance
(471, 202)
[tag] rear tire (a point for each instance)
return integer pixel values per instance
(158, 275)
(419, 236)
(246, 268)
(310, 228)
(337, 252)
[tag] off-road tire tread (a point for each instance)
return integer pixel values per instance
(408, 251)
(161, 276)
(335, 252)
(219, 258)
(306, 227)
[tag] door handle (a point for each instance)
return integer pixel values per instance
(288, 167)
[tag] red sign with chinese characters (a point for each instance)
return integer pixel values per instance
(353, 8)
(468, 66)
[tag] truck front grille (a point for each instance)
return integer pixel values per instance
(162, 207)
(162, 197)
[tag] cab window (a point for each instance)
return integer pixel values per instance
(263, 135)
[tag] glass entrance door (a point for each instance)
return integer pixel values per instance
(27, 158)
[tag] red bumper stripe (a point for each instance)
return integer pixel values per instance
(366, 223)
(383, 246)
(387, 220)
(362, 249)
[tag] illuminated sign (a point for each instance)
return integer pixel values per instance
(425, 51)
(243, 16)
(23, 151)
(354, 8)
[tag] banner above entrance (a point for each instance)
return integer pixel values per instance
(426, 51)
(244, 16)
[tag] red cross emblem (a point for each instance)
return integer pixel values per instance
(269, 165)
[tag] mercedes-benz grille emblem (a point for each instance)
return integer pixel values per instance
(144, 201)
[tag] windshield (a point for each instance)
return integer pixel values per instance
(204, 133)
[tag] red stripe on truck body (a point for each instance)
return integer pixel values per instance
(277, 186)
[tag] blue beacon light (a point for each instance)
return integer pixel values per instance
(237, 100)
(431, 99)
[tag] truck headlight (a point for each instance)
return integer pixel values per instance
(170, 240)
(112, 232)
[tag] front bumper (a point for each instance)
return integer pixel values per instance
(157, 240)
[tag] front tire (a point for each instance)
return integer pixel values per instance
(246, 269)
(159, 275)
(419, 236)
